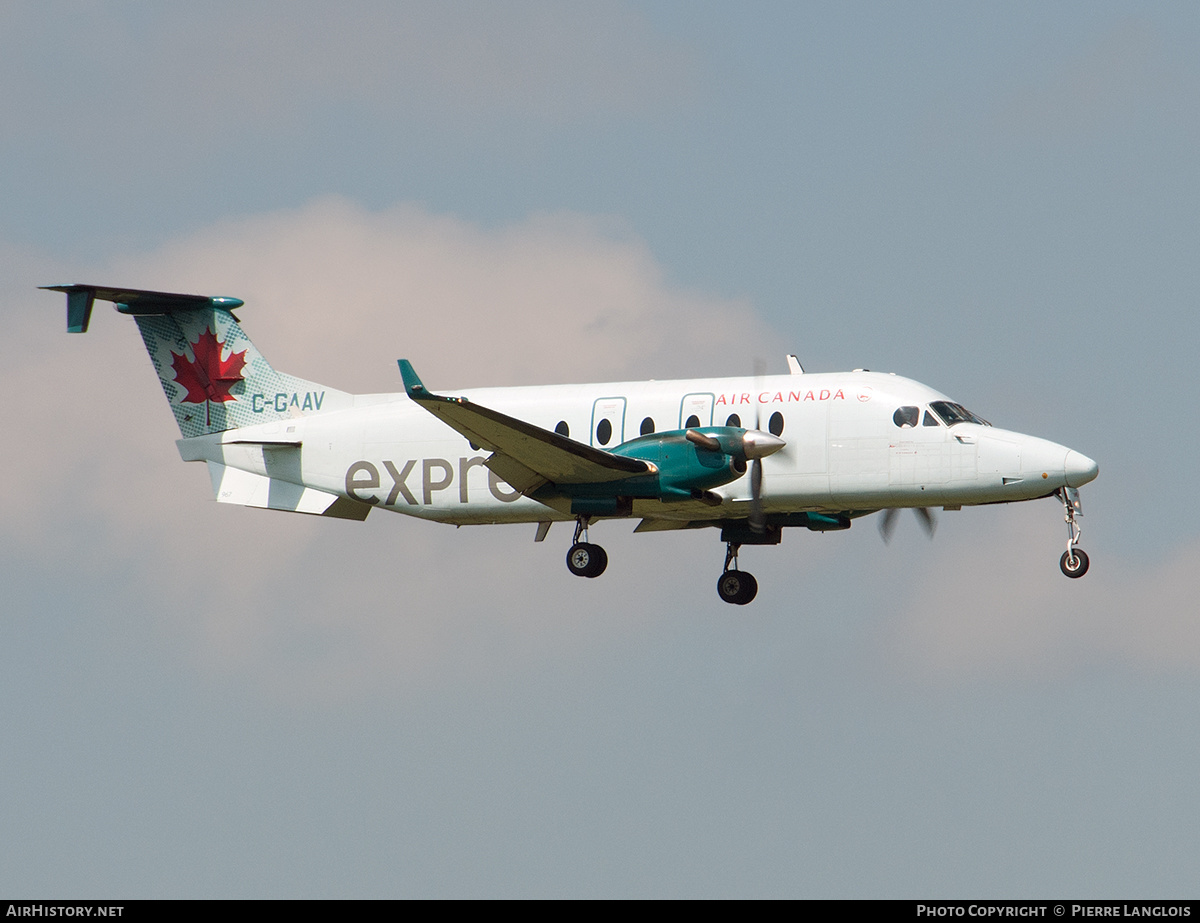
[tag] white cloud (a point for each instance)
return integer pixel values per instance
(308, 607)
(336, 294)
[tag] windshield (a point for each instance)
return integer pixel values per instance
(952, 413)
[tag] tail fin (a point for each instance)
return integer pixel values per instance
(213, 376)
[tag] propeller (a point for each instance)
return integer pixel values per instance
(924, 515)
(757, 520)
(756, 445)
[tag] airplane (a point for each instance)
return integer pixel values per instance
(749, 456)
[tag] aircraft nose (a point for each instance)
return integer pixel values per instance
(1079, 469)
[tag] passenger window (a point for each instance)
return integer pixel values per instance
(906, 416)
(930, 420)
(562, 429)
(647, 426)
(733, 420)
(692, 422)
(603, 432)
(775, 425)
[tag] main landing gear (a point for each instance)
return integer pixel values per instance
(1074, 562)
(734, 586)
(585, 559)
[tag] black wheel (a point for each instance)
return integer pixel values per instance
(1073, 567)
(737, 587)
(586, 560)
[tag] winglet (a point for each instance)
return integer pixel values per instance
(412, 383)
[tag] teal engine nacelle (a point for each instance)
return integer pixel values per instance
(688, 464)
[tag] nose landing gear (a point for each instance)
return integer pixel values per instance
(585, 559)
(735, 586)
(1074, 562)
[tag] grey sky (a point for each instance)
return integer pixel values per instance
(204, 701)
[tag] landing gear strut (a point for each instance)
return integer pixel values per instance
(585, 559)
(735, 586)
(1074, 562)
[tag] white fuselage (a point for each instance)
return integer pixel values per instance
(844, 452)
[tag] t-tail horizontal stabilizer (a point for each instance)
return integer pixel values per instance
(80, 299)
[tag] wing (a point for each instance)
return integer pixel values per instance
(526, 456)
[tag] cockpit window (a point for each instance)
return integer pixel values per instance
(906, 416)
(952, 413)
(930, 420)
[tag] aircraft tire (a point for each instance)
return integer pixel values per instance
(586, 560)
(737, 587)
(1080, 563)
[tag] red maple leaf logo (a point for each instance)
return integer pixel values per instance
(210, 377)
